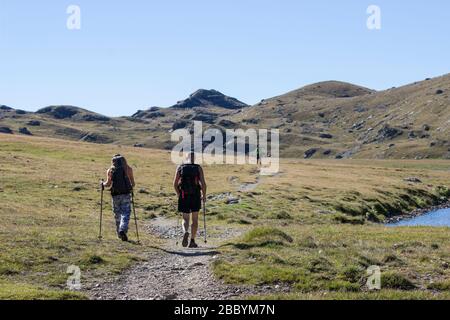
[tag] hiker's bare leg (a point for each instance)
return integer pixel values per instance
(194, 225)
(186, 218)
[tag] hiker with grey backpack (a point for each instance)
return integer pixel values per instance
(190, 186)
(120, 179)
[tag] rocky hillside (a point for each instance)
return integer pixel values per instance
(325, 90)
(339, 120)
(146, 128)
(331, 119)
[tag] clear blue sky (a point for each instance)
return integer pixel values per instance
(134, 54)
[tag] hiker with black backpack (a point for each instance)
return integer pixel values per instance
(190, 186)
(121, 180)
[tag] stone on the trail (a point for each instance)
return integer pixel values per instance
(232, 200)
(171, 296)
(198, 264)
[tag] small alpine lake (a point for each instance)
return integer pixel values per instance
(436, 218)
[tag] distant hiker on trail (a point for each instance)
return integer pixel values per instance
(190, 186)
(121, 180)
(258, 155)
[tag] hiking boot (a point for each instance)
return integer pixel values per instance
(185, 240)
(123, 236)
(193, 245)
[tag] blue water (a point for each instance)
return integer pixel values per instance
(439, 218)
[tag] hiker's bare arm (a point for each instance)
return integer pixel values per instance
(203, 183)
(131, 176)
(108, 182)
(176, 183)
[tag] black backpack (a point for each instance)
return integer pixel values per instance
(120, 182)
(190, 179)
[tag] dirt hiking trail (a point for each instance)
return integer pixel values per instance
(171, 272)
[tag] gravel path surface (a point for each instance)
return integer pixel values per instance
(174, 273)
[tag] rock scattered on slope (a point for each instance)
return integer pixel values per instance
(5, 108)
(206, 117)
(388, 133)
(227, 124)
(34, 123)
(25, 131)
(95, 138)
(151, 113)
(59, 112)
(5, 130)
(180, 124)
(310, 153)
(95, 118)
(326, 136)
(413, 180)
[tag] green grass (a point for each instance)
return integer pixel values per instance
(440, 286)
(310, 228)
(334, 258)
(379, 295)
(21, 291)
(50, 211)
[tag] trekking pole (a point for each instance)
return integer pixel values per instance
(135, 218)
(179, 225)
(204, 219)
(101, 210)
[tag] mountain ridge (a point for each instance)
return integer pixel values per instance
(329, 119)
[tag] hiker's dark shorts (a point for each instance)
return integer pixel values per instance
(189, 203)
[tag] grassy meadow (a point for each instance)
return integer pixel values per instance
(315, 226)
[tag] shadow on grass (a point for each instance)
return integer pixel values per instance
(265, 244)
(200, 252)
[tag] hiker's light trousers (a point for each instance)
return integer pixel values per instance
(122, 211)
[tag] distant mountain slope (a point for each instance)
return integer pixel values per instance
(408, 122)
(325, 120)
(146, 128)
(74, 113)
(325, 90)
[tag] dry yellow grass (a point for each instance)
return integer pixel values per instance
(50, 199)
